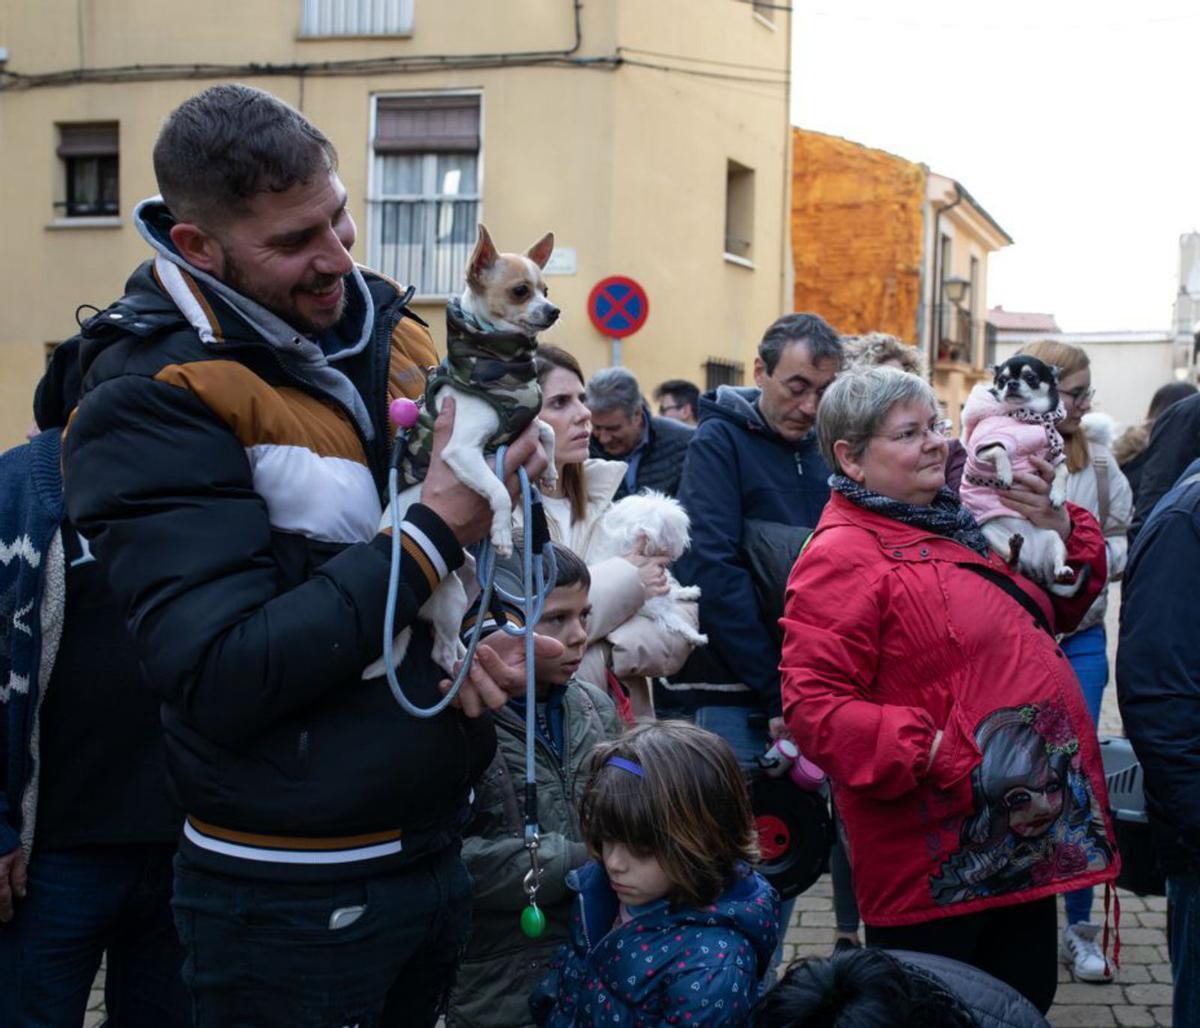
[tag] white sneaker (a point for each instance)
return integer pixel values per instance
(1081, 952)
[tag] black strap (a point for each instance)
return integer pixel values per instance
(1002, 580)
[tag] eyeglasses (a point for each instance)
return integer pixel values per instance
(665, 409)
(939, 429)
(1079, 395)
(1022, 796)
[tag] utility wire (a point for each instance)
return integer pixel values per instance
(698, 60)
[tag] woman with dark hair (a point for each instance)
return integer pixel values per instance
(1130, 447)
(629, 647)
(921, 673)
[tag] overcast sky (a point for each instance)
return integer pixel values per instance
(1073, 123)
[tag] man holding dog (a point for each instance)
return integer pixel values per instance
(227, 462)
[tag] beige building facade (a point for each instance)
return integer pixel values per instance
(652, 139)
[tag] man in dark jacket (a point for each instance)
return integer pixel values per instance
(227, 463)
(754, 463)
(624, 429)
(1158, 686)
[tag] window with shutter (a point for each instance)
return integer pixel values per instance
(91, 162)
(356, 17)
(423, 202)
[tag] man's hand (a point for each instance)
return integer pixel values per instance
(777, 728)
(464, 510)
(1030, 498)
(12, 882)
(498, 672)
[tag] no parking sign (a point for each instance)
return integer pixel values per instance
(618, 307)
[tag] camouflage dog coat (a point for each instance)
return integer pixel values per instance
(495, 366)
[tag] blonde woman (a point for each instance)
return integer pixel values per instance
(1096, 483)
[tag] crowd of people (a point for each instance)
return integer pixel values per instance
(201, 783)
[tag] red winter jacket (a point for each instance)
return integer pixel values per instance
(886, 641)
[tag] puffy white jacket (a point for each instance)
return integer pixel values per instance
(629, 646)
(1083, 489)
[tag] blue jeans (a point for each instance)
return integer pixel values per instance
(379, 951)
(81, 903)
(745, 729)
(1088, 654)
(1183, 895)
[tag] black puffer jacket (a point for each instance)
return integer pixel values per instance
(991, 1002)
(661, 465)
(233, 493)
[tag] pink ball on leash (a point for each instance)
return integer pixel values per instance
(404, 413)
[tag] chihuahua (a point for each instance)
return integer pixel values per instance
(489, 371)
(1006, 424)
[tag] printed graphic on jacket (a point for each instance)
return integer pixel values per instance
(1035, 820)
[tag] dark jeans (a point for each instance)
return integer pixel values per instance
(1017, 944)
(378, 951)
(1183, 891)
(81, 903)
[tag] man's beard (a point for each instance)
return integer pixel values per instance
(281, 304)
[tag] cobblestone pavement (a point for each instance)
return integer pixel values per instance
(1140, 995)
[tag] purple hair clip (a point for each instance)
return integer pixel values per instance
(626, 765)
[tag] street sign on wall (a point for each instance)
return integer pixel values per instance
(618, 307)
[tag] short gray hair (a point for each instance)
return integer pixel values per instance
(859, 401)
(614, 389)
(875, 348)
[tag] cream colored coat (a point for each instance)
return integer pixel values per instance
(1083, 489)
(629, 646)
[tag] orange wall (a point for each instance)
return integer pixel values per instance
(856, 235)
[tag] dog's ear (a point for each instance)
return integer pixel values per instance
(995, 367)
(482, 257)
(540, 252)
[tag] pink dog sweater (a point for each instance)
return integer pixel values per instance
(987, 422)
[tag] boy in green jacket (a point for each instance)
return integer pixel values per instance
(501, 966)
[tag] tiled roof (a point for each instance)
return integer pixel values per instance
(1022, 321)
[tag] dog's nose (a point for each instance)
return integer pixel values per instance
(552, 313)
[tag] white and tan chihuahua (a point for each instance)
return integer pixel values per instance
(489, 371)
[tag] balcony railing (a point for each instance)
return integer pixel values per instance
(424, 243)
(955, 331)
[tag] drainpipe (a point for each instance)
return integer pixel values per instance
(935, 287)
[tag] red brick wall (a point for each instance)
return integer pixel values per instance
(856, 235)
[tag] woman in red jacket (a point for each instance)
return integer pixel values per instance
(921, 673)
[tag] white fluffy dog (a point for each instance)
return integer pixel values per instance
(661, 526)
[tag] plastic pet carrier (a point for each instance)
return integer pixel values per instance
(1140, 871)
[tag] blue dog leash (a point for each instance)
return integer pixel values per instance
(534, 579)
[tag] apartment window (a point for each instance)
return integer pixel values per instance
(764, 10)
(89, 153)
(718, 372)
(356, 17)
(424, 201)
(739, 211)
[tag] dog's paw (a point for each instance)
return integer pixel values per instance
(502, 537)
(1064, 575)
(1004, 477)
(1058, 496)
(1015, 544)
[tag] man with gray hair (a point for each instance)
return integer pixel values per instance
(624, 429)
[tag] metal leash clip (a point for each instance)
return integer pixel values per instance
(533, 921)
